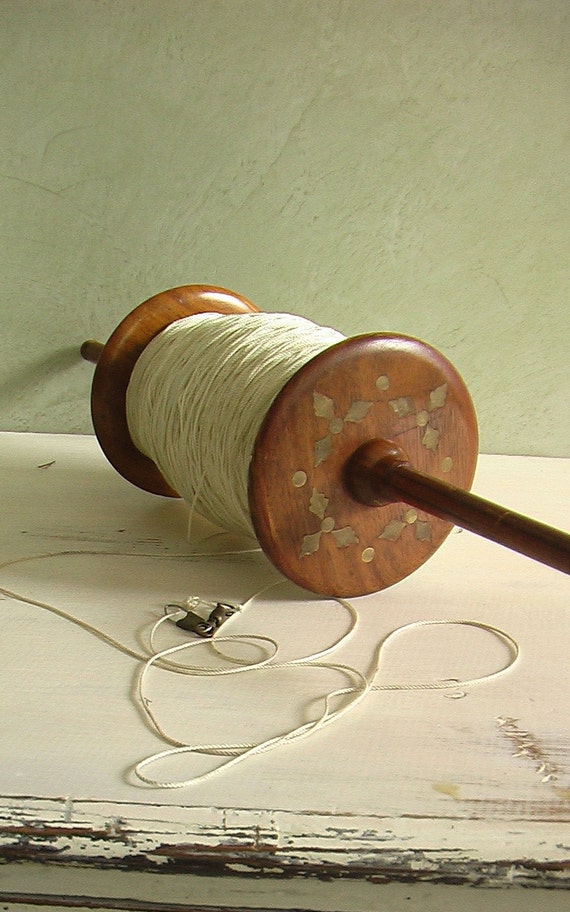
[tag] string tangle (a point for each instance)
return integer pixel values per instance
(361, 683)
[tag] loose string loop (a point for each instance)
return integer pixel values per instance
(362, 686)
(361, 683)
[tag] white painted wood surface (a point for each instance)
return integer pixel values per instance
(410, 791)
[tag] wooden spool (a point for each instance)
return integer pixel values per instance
(362, 464)
(115, 363)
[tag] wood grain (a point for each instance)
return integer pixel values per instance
(307, 519)
(115, 364)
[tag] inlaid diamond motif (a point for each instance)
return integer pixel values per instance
(324, 407)
(403, 407)
(342, 537)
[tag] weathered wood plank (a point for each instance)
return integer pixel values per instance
(466, 785)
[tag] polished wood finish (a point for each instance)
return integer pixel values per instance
(91, 350)
(307, 520)
(115, 363)
(379, 472)
(362, 464)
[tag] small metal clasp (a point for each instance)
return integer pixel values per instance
(203, 617)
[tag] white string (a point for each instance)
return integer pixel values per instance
(238, 753)
(61, 612)
(361, 685)
(199, 393)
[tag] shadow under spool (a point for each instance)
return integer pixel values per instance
(361, 467)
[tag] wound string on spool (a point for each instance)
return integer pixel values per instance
(199, 393)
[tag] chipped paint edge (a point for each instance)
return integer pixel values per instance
(282, 844)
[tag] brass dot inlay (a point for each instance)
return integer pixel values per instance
(336, 425)
(382, 383)
(368, 555)
(299, 479)
(446, 464)
(422, 419)
(327, 524)
(411, 516)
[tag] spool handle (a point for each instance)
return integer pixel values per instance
(379, 473)
(91, 350)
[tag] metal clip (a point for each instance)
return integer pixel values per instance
(221, 613)
(205, 624)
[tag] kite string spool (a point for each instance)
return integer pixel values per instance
(199, 393)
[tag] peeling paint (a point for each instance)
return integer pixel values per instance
(280, 844)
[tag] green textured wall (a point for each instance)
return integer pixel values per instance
(384, 164)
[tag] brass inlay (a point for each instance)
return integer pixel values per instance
(318, 504)
(310, 544)
(299, 479)
(393, 529)
(342, 537)
(357, 411)
(423, 530)
(431, 439)
(322, 449)
(402, 406)
(324, 407)
(345, 536)
(437, 397)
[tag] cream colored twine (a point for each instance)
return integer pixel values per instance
(334, 706)
(199, 393)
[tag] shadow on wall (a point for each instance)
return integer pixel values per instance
(35, 377)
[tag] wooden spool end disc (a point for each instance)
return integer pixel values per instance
(116, 363)
(369, 387)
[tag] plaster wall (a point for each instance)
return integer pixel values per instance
(371, 164)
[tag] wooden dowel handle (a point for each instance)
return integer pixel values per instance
(91, 350)
(379, 473)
